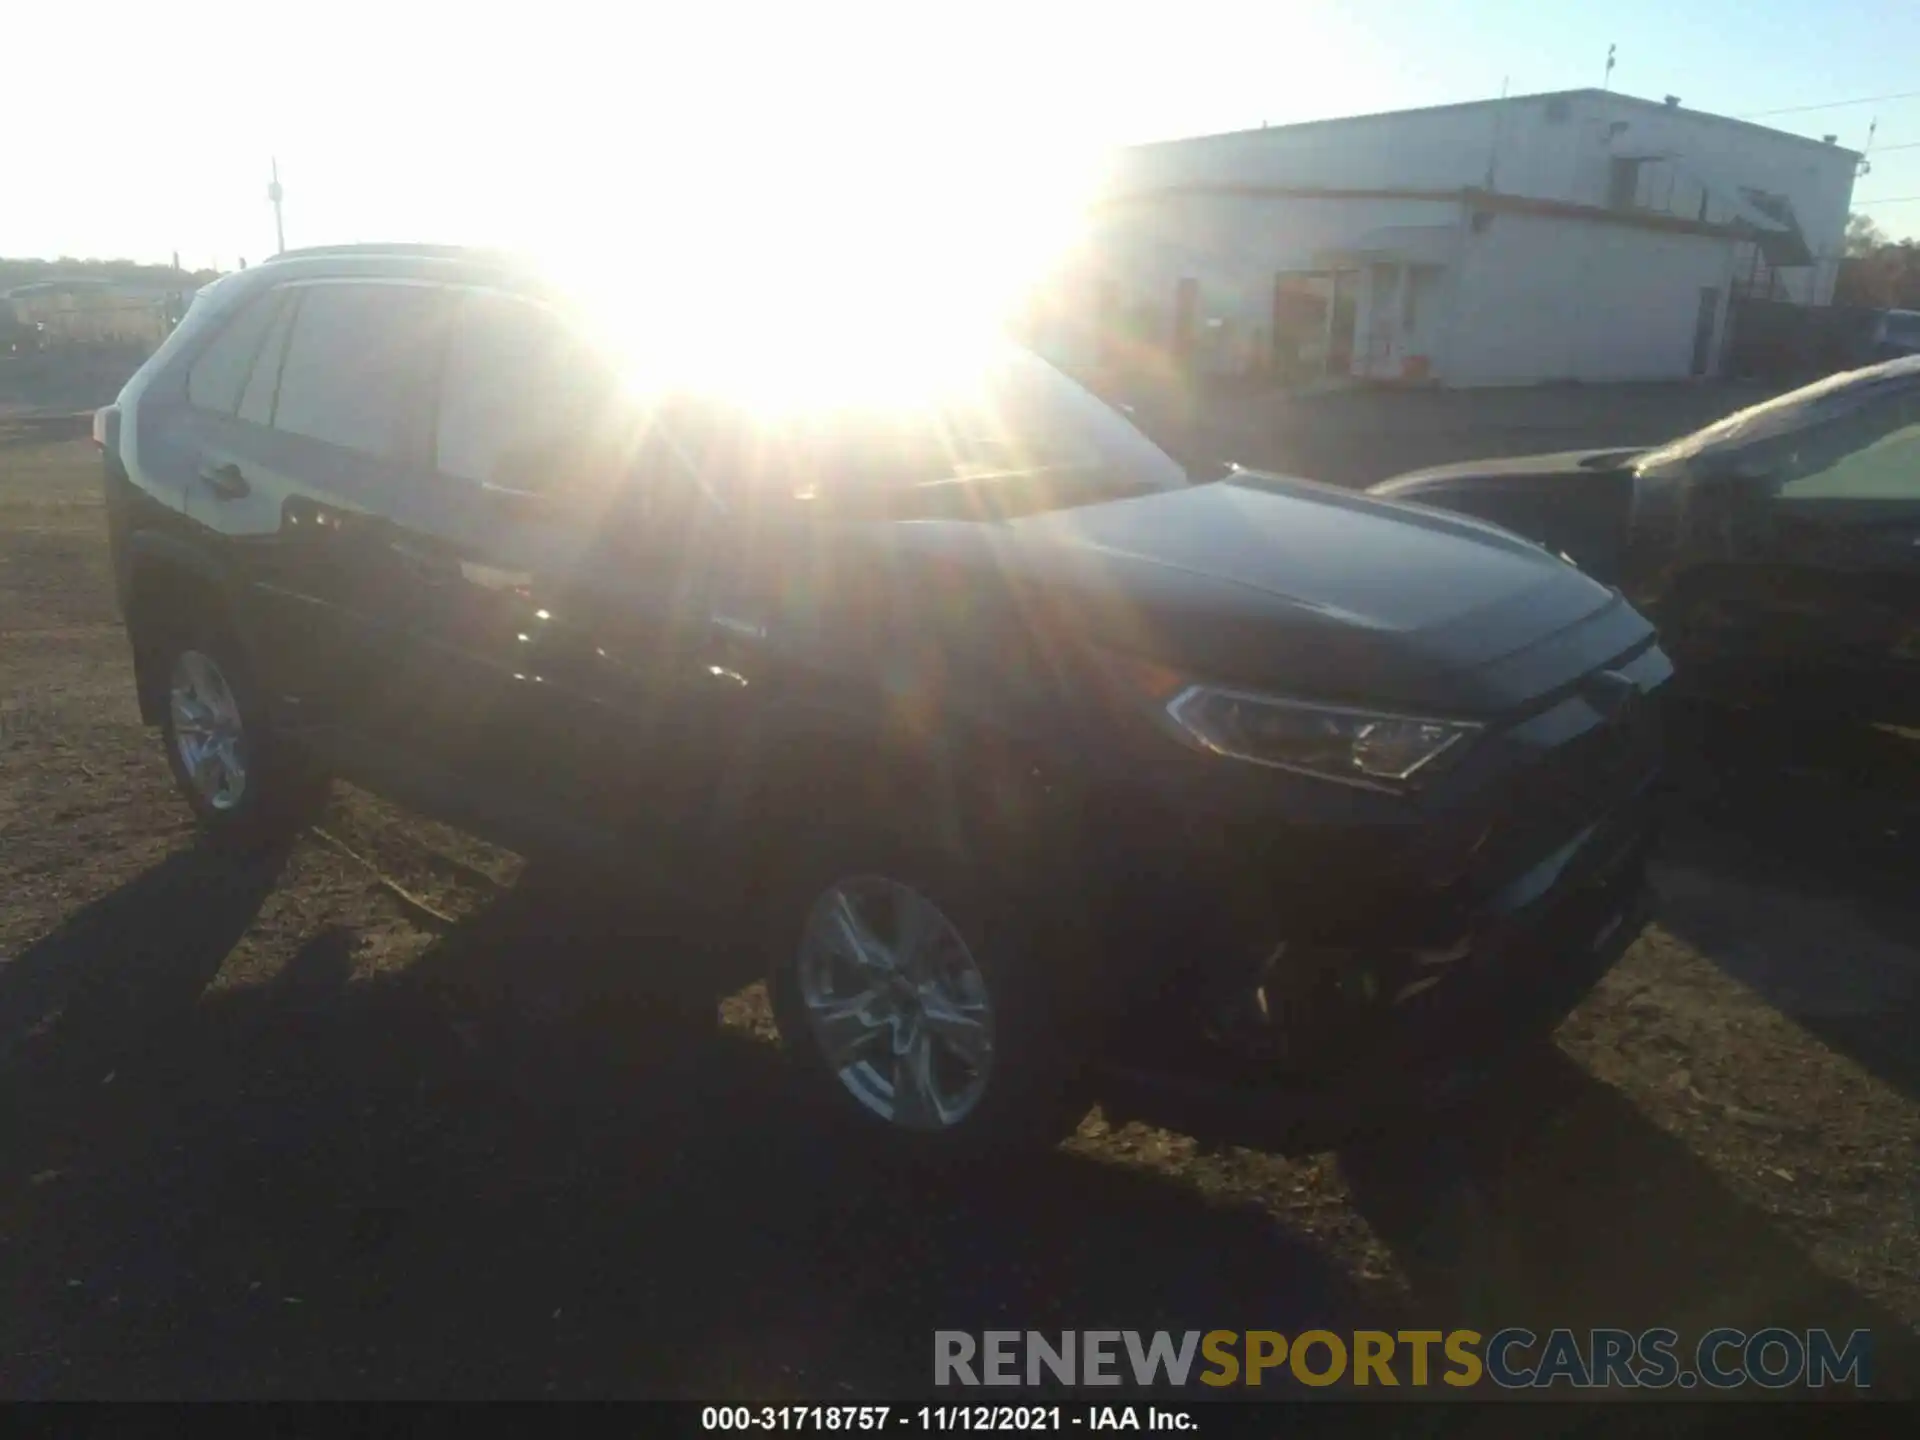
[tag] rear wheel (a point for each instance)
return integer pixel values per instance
(927, 1008)
(244, 783)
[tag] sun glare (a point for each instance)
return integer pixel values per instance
(862, 283)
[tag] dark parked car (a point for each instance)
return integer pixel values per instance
(1778, 550)
(1895, 334)
(1026, 751)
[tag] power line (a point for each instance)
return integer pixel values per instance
(1831, 105)
(1889, 200)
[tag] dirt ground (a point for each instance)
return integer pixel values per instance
(376, 1119)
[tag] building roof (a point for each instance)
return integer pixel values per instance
(1610, 96)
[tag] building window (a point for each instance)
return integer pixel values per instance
(1623, 184)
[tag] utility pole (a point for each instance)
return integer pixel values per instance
(1606, 82)
(1493, 147)
(274, 193)
(1864, 166)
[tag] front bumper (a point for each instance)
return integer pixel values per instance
(1433, 1024)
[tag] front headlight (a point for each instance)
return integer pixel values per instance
(1358, 747)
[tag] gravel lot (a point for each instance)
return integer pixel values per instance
(377, 1119)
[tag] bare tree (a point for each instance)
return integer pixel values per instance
(1864, 235)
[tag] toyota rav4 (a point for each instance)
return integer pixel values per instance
(1034, 756)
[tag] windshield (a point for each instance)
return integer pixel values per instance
(1903, 327)
(1772, 418)
(1014, 437)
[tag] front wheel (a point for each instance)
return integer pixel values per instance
(928, 1008)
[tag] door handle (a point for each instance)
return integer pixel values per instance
(226, 481)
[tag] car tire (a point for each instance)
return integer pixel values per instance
(1022, 955)
(246, 785)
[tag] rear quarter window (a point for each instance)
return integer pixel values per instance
(215, 380)
(263, 384)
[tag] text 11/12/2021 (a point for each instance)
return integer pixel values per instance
(939, 1419)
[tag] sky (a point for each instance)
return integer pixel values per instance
(681, 131)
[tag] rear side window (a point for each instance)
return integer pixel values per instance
(215, 380)
(354, 363)
(518, 386)
(256, 400)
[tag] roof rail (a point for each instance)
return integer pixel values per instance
(396, 250)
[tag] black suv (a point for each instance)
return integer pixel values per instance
(1035, 757)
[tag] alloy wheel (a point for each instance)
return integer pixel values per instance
(208, 735)
(896, 1003)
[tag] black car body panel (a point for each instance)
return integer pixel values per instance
(1778, 550)
(1560, 462)
(631, 661)
(1574, 503)
(1266, 581)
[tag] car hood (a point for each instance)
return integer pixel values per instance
(1557, 463)
(1315, 591)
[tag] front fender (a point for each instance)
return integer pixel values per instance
(973, 786)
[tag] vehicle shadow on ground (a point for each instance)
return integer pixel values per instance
(516, 1168)
(1789, 860)
(135, 957)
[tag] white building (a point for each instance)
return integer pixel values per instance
(1582, 235)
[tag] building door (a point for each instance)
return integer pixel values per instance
(1384, 285)
(1342, 314)
(1299, 333)
(1314, 313)
(1703, 327)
